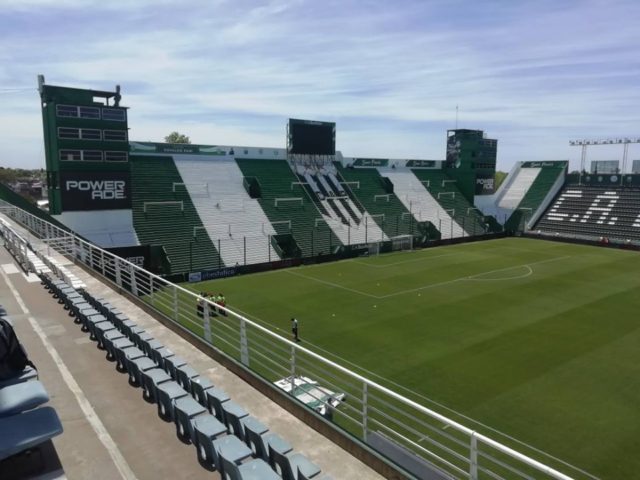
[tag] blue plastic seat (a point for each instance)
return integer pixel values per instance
(28, 430)
(21, 397)
(29, 373)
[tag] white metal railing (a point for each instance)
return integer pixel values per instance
(447, 445)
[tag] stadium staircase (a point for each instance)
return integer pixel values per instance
(592, 212)
(366, 184)
(171, 225)
(342, 214)
(533, 200)
(445, 191)
(513, 193)
(417, 199)
(295, 217)
(235, 222)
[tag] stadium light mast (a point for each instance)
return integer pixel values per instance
(606, 141)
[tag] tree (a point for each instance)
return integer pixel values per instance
(176, 137)
(500, 176)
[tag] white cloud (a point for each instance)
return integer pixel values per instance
(532, 74)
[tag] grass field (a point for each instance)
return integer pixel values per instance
(536, 339)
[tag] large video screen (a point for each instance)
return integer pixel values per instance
(312, 138)
(95, 190)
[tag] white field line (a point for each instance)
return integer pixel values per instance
(331, 284)
(431, 285)
(527, 274)
(472, 277)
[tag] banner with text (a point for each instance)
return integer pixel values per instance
(95, 190)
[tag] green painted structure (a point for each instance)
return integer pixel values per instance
(471, 161)
(84, 131)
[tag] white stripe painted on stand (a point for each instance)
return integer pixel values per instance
(92, 417)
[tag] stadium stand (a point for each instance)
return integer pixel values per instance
(421, 203)
(445, 191)
(164, 217)
(234, 221)
(288, 206)
(385, 208)
(592, 212)
(534, 197)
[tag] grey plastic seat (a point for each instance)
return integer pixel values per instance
(167, 393)
(215, 398)
(261, 444)
(108, 342)
(253, 470)
(136, 366)
(28, 430)
(29, 373)
(185, 410)
(91, 321)
(126, 326)
(99, 331)
(173, 362)
(134, 334)
(76, 305)
(156, 350)
(150, 380)
(206, 429)
(85, 313)
(289, 465)
(199, 386)
(231, 448)
(21, 396)
(232, 414)
(128, 355)
(119, 346)
(184, 375)
(142, 340)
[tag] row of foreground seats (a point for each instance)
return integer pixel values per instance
(24, 422)
(226, 437)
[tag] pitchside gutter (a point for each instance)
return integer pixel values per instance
(475, 438)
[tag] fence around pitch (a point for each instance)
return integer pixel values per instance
(369, 410)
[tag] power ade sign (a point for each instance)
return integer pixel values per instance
(95, 190)
(484, 185)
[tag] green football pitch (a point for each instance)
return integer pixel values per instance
(535, 339)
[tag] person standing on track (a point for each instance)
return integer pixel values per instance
(294, 329)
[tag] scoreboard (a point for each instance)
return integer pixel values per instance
(309, 137)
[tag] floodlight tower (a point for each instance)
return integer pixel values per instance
(607, 141)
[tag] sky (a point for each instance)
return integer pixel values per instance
(533, 74)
